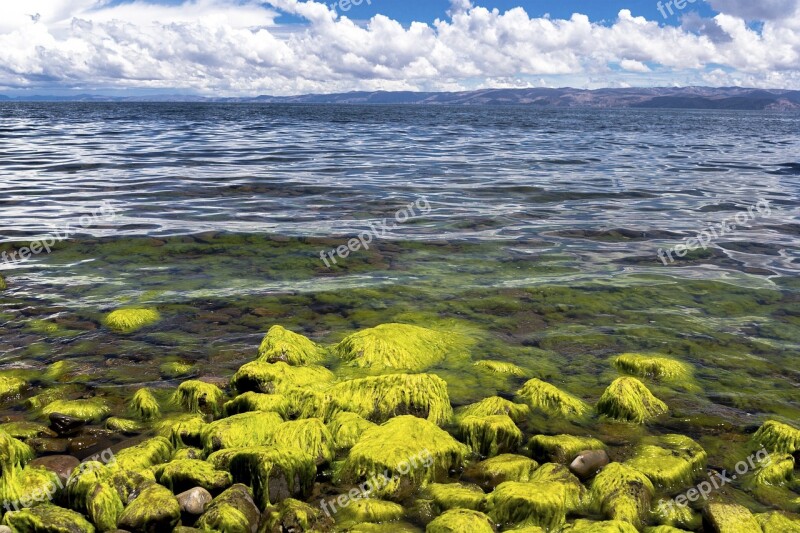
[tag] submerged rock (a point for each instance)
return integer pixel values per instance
(27, 430)
(130, 320)
(175, 369)
(65, 425)
(778, 437)
(495, 405)
(255, 428)
(363, 509)
(259, 376)
(561, 448)
(61, 465)
(651, 366)
(500, 367)
(280, 344)
(199, 397)
(490, 435)
(194, 501)
(145, 405)
(588, 463)
(622, 493)
(346, 428)
(124, 425)
(628, 399)
(460, 520)
(544, 504)
(730, 518)
(455, 496)
(145, 454)
(11, 385)
(154, 510)
(184, 474)
(90, 410)
(296, 516)
(550, 400)
(504, 467)
(255, 401)
(671, 462)
(47, 518)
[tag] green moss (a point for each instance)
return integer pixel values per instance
(185, 474)
(175, 369)
(182, 429)
(51, 394)
(655, 367)
(58, 370)
(574, 491)
(47, 518)
(776, 522)
(199, 397)
(92, 410)
(346, 428)
(259, 376)
(490, 435)
(155, 509)
(730, 518)
(500, 367)
(255, 401)
(561, 448)
(187, 453)
(667, 513)
(360, 510)
(254, 428)
(506, 467)
(309, 435)
(663, 529)
(495, 405)
(396, 347)
(379, 398)
(775, 470)
(622, 493)
(124, 425)
(294, 515)
(460, 520)
(145, 405)
(628, 399)
(590, 526)
(544, 504)
(11, 386)
(307, 403)
(416, 449)
(90, 489)
(130, 320)
(280, 344)
(550, 400)
(778, 437)
(232, 511)
(671, 462)
(28, 484)
(145, 454)
(26, 430)
(455, 495)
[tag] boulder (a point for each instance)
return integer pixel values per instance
(154, 510)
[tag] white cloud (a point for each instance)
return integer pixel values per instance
(239, 47)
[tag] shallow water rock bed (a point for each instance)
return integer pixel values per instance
(292, 442)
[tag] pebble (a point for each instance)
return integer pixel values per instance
(588, 462)
(65, 425)
(62, 465)
(194, 501)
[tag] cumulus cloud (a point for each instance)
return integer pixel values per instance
(231, 47)
(757, 9)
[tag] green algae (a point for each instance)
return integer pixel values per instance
(90, 489)
(561, 448)
(455, 496)
(459, 520)
(199, 397)
(346, 428)
(145, 405)
(621, 493)
(187, 453)
(495, 405)
(652, 366)
(145, 454)
(259, 376)
(628, 399)
(294, 515)
(670, 461)
(489, 435)
(47, 518)
(253, 428)
(91, 410)
(667, 513)
(154, 509)
(185, 474)
(778, 437)
(379, 398)
(280, 344)
(505, 467)
(360, 510)
(777, 469)
(305, 403)
(26, 430)
(130, 320)
(255, 401)
(776, 522)
(309, 435)
(21, 487)
(13, 453)
(124, 425)
(11, 386)
(544, 504)
(50, 395)
(175, 369)
(500, 367)
(550, 400)
(182, 430)
(730, 518)
(591, 526)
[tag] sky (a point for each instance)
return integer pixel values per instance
(286, 47)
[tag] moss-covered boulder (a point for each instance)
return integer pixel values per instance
(90, 410)
(629, 399)
(776, 469)
(776, 522)
(232, 511)
(154, 510)
(556, 473)
(47, 518)
(504, 467)
(91, 490)
(124, 425)
(256, 401)
(26, 430)
(500, 367)
(309, 435)
(130, 320)
(544, 504)
(591, 526)
(11, 386)
(561, 448)
(254, 428)
(297, 516)
(28, 485)
(270, 378)
(144, 404)
(280, 344)
(182, 430)
(621, 493)
(396, 347)
(199, 397)
(145, 454)
(175, 369)
(13, 452)
(379, 398)
(415, 450)
(490, 435)
(346, 428)
(729, 518)
(671, 462)
(654, 367)
(778, 437)
(495, 405)
(550, 400)
(460, 520)
(455, 495)
(666, 513)
(363, 509)
(185, 474)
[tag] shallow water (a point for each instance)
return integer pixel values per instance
(535, 230)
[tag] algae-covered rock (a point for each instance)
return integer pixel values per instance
(145, 454)
(13, 453)
(199, 397)
(296, 516)
(187, 453)
(360, 509)
(417, 451)
(379, 398)
(495, 405)
(651, 366)
(11, 385)
(622, 493)
(671, 462)
(154, 510)
(26, 430)
(254, 428)
(778, 437)
(668, 513)
(664, 529)
(590, 526)
(182, 430)
(90, 410)
(460, 520)
(628, 399)
(280, 344)
(91, 490)
(490, 435)
(550, 400)
(184, 474)
(233, 511)
(730, 518)
(130, 320)
(776, 522)
(145, 405)
(255, 401)
(396, 347)
(544, 504)
(574, 492)
(504, 467)
(561, 448)
(309, 435)
(500, 367)
(124, 425)
(175, 369)
(21, 487)
(455, 495)
(346, 428)
(259, 376)
(47, 518)
(309, 403)
(777, 469)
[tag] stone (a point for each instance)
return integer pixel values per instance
(588, 463)
(44, 445)
(154, 510)
(65, 425)
(61, 465)
(194, 501)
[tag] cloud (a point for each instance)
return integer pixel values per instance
(231, 47)
(757, 9)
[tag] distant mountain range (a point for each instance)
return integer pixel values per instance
(733, 98)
